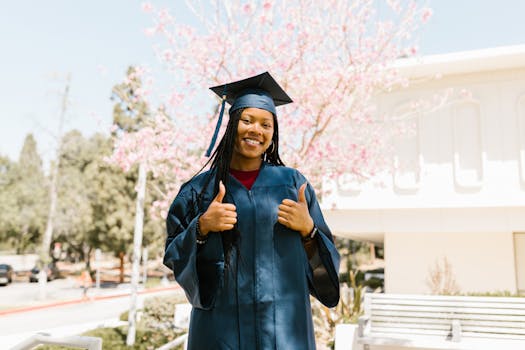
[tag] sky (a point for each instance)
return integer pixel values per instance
(41, 42)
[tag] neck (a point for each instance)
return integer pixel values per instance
(245, 164)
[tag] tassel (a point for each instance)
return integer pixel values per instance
(217, 128)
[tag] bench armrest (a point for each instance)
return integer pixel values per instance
(362, 321)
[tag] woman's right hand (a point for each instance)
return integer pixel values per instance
(219, 216)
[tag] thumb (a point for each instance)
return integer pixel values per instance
(301, 196)
(222, 192)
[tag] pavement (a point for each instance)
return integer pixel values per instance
(24, 297)
(27, 313)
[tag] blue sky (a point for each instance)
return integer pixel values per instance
(95, 41)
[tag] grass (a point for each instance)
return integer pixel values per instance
(153, 282)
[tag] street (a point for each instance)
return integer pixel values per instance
(19, 294)
(78, 316)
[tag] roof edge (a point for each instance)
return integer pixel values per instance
(463, 62)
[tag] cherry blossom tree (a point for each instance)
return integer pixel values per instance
(332, 57)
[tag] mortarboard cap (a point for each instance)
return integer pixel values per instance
(260, 91)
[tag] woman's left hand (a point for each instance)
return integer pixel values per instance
(295, 215)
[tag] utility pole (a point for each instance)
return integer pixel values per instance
(137, 245)
(46, 242)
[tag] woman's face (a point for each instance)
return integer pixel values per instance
(254, 136)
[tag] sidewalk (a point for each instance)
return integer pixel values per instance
(20, 298)
(8, 341)
(72, 315)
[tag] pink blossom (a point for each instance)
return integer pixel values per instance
(167, 55)
(394, 5)
(426, 14)
(333, 82)
(150, 31)
(247, 9)
(147, 7)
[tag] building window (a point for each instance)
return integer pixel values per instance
(521, 138)
(467, 145)
(407, 155)
(519, 258)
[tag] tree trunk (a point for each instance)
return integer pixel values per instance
(21, 242)
(48, 234)
(137, 245)
(121, 268)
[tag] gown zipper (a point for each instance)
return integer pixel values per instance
(255, 289)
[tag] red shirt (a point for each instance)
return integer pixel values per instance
(247, 178)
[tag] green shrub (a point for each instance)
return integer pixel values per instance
(115, 339)
(154, 329)
(124, 316)
(158, 311)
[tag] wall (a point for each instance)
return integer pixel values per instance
(479, 261)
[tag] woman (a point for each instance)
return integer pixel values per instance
(247, 240)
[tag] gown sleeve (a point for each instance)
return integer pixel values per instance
(323, 267)
(199, 269)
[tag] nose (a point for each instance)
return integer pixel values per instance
(256, 128)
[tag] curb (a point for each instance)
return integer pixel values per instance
(83, 300)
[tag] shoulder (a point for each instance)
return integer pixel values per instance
(194, 185)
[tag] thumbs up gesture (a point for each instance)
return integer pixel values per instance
(219, 216)
(295, 215)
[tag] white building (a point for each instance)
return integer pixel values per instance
(461, 195)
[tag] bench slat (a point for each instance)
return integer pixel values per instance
(493, 336)
(417, 328)
(416, 297)
(415, 319)
(502, 330)
(410, 325)
(447, 316)
(450, 303)
(440, 321)
(426, 343)
(452, 310)
(431, 332)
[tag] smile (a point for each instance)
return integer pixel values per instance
(252, 142)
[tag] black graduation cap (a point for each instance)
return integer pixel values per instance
(259, 91)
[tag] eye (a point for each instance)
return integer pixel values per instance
(246, 121)
(267, 126)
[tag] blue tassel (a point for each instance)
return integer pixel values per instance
(217, 128)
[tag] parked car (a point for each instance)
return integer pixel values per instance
(374, 280)
(52, 272)
(6, 274)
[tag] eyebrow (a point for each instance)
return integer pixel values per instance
(252, 116)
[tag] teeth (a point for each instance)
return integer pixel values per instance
(252, 142)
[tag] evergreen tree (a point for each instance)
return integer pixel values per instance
(73, 216)
(7, 202)
(23, 198)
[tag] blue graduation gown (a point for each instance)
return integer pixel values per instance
(262, 301)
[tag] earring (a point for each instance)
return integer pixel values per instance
(273, 148)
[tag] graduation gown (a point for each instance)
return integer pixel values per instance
(262, 300)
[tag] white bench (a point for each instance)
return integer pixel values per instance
(397, 321)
